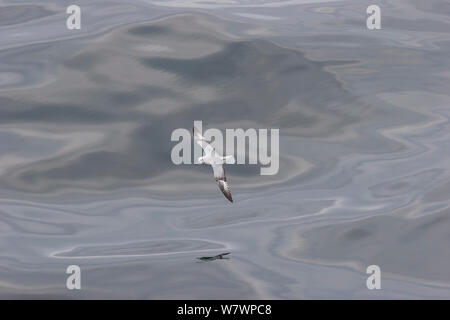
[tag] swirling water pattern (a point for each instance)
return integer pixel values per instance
(85, 170)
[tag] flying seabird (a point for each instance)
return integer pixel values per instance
(212, 158)
(219, 256)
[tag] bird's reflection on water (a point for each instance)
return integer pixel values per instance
(216, 257)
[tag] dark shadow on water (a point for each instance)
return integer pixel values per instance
(212, 258)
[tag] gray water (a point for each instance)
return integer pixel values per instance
(85, 172)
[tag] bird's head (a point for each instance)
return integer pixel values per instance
(201, 160)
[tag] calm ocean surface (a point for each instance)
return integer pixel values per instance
(86, 176)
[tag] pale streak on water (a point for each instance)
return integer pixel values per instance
(85, 123)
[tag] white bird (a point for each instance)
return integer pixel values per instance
(212, 158)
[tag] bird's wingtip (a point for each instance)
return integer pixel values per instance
(223, 186)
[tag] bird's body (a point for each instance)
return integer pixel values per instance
(216, 161)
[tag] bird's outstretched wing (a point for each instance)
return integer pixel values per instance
(219, 174)
(203, 142)
(223, 254)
